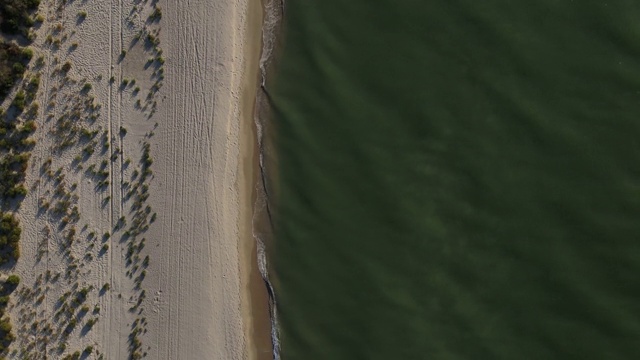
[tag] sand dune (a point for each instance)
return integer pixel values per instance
(158, 163)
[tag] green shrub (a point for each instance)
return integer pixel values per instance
(29, 126)
(18, 190)
(19, 101)
(27, 53)
(10, 232)
(156, 14)
(12, 68)
(5, 326)
(13, 280)
(15, 15)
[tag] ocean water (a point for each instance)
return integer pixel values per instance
(458, 179)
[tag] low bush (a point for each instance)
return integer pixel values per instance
(156, 15)
(19, 101)
(12, 60)
(16, 16)
(5, 326)
(13, 280)
(10, 232)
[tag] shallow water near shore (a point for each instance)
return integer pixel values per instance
(458, 180)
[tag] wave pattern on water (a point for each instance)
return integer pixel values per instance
(457, 180)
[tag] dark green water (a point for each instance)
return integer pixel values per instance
(459, 179)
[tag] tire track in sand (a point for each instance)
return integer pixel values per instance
(108, 337)
(46, 93)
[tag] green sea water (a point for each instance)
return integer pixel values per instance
(458, 179)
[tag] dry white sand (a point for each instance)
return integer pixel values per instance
(192, 301)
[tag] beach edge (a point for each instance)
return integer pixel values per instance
(257, 315)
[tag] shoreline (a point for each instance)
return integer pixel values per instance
(265, 160)
(257, 316)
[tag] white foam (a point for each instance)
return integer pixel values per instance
(273, 13)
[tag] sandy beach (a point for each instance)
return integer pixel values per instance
(137, 238)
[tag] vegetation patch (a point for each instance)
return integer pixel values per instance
(9, 240)
(16, 15)
(13, 60)
(6, 330)
(15, 140)
(12, 169)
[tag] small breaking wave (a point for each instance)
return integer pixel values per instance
(273, 12)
